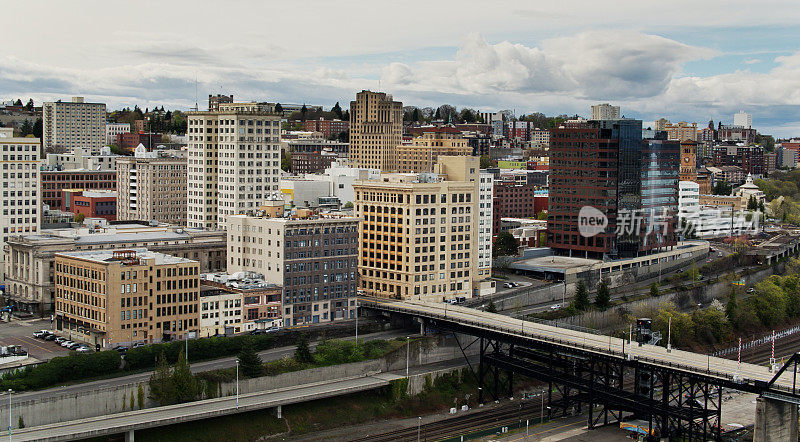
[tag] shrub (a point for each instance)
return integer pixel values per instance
(62, 369)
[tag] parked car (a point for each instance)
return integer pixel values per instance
(83, 349)
(258, 331)
(60, 339)
(50, 337)
(66, 344)
(138, 344)
(74, 345)
(40, 334)
(121, 349)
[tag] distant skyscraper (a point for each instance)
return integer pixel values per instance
(661, 124)
(74, 124)
(376, 129)
(743, 119)
(604, 111)
(234, 161)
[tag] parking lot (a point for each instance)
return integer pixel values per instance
(20, 332)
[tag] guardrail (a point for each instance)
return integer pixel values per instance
(760, 341)
(568, 343)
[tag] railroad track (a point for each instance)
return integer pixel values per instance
(503, 415)
(760, 355)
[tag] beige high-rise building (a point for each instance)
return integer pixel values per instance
(604, 111)
(71, 124)
(22, 197)
(234, 161)
(420, 236)
(681, 131)
(376, 129)
(661, 124)
(118, 297)
(152, 186)
(421, 154)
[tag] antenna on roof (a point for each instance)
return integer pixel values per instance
(196, 106)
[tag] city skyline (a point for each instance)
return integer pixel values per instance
(685, 61)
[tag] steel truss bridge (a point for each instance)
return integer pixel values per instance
(678, 393)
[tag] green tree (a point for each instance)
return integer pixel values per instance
(337, 110)
(249, 361)
(732, 307)
(302, 353)
(654, 291)
(722, 188)
(185, 386)
(581, 296)
(29, 106)
(140, 396)
(768, 303)
(161, 387)
(490, 307)
(348, 205)
(18, 102)
(603, 297)
(303, 113)
(286, 161)
(682, 334)
(79, 217)
(278, 108)
(505, 245)
(486, 162)
(752, 204)
(710, 325)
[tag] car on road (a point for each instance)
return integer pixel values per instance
(507, 285)
(555, 307)
(121, 349)
(83, 349)
(138, 344)
(514, 284)
(41, 334)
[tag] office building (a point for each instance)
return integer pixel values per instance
(54, 181)
(127, 142)
(29, 258)
(376, 129)
(114, 129)
(261, 300)
(81, 158)
(485, 226)
(604, 111)
(328, 128)
(152, 186)
(220, 311)
(420, 233)
(215, 100)
(743, 120)
(424, 150)
(107, 298)
(605, 165)
(70, 124)
(516, 199)
(312, 255)
(312, 162)
(681, 131)
(91, 203)
(234, 161)
(22, 198)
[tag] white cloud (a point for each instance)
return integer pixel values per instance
(752, 61)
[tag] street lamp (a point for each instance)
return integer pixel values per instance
(419, 427)
(237, 383)
(356, 320)
(408, 348)
(9, 415)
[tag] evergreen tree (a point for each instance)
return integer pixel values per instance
(581, 296)
(505, 245)
(18, 102)
(161, 387)
(29, 106)
(249, 361)
(278, 108)
(732, 308)
(184, 384)
(337, 110)
(603, 298)
(654, 290)
(303, 353)
(415, 114)
(491, 308)
(303, 112)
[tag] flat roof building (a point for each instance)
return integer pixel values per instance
(72, 124)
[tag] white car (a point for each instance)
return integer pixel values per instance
(66, 343)
(555, 307)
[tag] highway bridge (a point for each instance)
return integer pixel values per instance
(679, 393)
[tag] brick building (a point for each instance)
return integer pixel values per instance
(54, 181)
(328, 128)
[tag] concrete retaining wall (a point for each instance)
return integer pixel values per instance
(103, 401)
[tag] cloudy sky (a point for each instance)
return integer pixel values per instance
(683, 60)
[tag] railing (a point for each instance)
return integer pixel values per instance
(757, 342)
(568, 343)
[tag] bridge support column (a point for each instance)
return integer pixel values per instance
(129, 436)
(421, 326)
(775, 421)
(278, 412)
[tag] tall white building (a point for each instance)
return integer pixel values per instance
(485, 195)
(743, 119)
(21, 199)
(114, 129)
(604, 111)
(80, 158)
(234, 161)
(72, 124)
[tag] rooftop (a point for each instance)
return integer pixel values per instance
(126, 256)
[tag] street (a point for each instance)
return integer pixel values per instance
(20, 332)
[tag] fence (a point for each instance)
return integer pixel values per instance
(758, 342)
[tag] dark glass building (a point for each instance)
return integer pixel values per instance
(605, 164)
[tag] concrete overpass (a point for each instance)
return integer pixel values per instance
(680, 392)
(128, 422)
